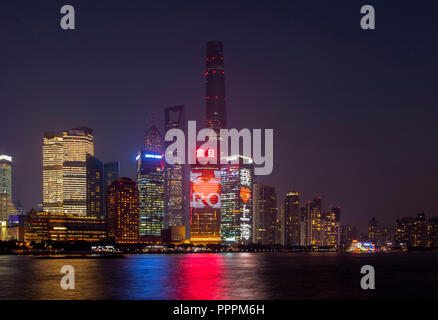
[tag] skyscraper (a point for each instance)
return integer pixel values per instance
(420, 230)
(305, 225)
(7, 207)
(373, 230)
(264, 214)
(291, 218)
(215, 86)
(331, 227)
(348, 234)
(77, 144)
(6, 175)
(150, 182)
(205, 200)
(205, 180)
(153, 140)
(175, 175)
(236, 202)
(316, 222)
(123, 211)
(95, 199)
(111, 172)
(53, 159)
(432, 232)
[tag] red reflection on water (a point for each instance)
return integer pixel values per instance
(201, 276)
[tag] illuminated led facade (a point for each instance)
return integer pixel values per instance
(291, 218)
(122, 205)
(77, 144)
(264, 214)
(236, 202)
(95, 199)
(215, 86)
(175, 175)
(205, 200)
(205, 205)
(150, 182)
(43, 226)
(53, 158)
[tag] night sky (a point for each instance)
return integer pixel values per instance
(354, 112)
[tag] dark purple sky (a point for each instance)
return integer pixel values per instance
(354, 112)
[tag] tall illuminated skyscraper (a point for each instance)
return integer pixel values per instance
(316, 222)
(291, 210)
(215, 86)
(205, 200)
(6, 175)
(150, 182)
(331, 227)
(7, 208)
(205, 180)
(175, 175)
(264, 214)
(77, 144)
(236, 202)
(53, 159)
(123, 211)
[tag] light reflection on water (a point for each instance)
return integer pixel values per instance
(222, 276)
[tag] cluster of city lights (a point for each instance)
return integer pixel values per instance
(362, 247)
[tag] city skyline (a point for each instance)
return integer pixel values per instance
(345, 162)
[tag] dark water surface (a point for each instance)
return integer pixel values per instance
(224, 276)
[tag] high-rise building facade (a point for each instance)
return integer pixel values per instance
(205, 179)
(153, 140)
(236, 202)
(175, 174)
(316, 222)
(6, 175)
(95, 197)
(305, 225)
(111, 172)
(348, 234)
(373, 230)
(53, 159)
(123, 211)
(77, 143)
(331, 227)
(420, 230)
(291, 216)
(150, 182)
(54, 226)
(7, 207)
(215, 86)
(205, 200)
(414, 231)
(432, 232)
(264, 214)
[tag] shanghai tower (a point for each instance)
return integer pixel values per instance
(215, 80)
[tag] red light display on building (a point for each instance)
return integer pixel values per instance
(205, 189)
